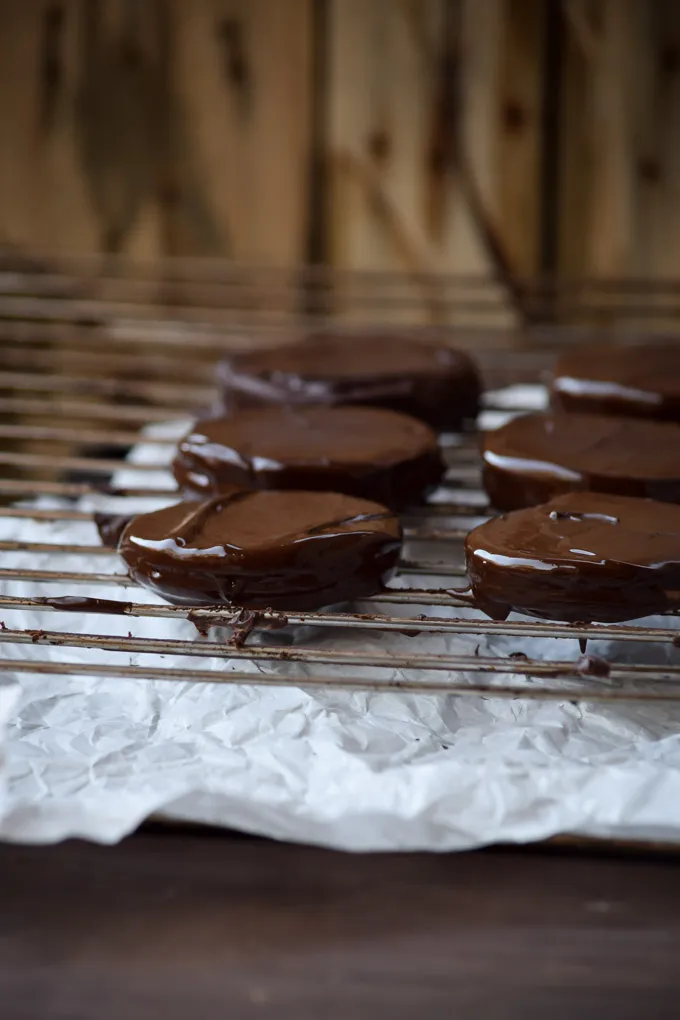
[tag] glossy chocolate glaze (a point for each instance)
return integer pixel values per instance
(538, 456)
(640, 381)
(582, 557)
(279, 550)
(435, 383)
(362, 451)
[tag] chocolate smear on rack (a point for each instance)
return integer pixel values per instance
(84, 604)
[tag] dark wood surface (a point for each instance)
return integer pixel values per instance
(185, 924)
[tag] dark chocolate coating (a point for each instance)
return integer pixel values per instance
(538, 456)
(362, 451)
(435, 383)
(260, 550)
(111, 527)
(581, 557)
(641, 381)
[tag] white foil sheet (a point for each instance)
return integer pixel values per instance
(92, 757)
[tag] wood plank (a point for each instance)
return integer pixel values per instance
(241, 79)
(620, 170)
(659, 157)
(576, 141)
(155, 128)
(178, 924)
(518, 161)
(78, 104)
(415, 183)
(387, 210)
(613, 213)
(620, 208)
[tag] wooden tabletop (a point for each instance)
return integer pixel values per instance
(192, 925)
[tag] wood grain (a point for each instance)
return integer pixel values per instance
(156, 128)
(390, 135)
(215, 925)
(620, 166)
(432, 137)
(241, 78)
(520, 134)
(78, 104)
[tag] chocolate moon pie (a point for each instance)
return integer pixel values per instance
(582, 557)
(362, 451)
(280, 550)
(430, 381)
(537, 456)
(640, 381)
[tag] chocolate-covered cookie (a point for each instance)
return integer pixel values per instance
(537, 456)
(432, 382)
(362, 451)
(279, 550)
(581, 557)
(641, 381)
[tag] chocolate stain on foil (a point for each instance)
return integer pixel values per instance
(593, 665)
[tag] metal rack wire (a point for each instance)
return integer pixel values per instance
(87, 360)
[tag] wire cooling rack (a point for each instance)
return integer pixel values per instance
(90, 355)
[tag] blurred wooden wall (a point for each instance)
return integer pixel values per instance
(204, 127)
(620, 138)
(156, 126)
(469, 136)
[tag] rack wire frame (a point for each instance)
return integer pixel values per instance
(92, 344)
